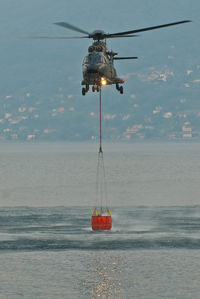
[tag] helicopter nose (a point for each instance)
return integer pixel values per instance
(93, 69)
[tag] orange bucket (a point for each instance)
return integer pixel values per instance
(101, 222)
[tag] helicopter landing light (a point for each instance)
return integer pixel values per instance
(103, 81)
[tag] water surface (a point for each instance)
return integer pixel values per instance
(47, 247)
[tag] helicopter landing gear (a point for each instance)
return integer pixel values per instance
(85, 89)
(120, 88)
(95, 87)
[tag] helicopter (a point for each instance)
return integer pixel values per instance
(98, 65)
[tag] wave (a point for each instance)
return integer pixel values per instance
(61, 228)
(28, 244)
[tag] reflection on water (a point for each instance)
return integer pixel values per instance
(142, 274)
(80, 274)
(104, 276)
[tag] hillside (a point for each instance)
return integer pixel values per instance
(40, 96)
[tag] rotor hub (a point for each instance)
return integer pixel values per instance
(97, 35)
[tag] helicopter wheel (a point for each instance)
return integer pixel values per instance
(83, 91)
(121, 89)
(93, 89)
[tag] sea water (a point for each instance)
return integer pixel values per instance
(47, 247)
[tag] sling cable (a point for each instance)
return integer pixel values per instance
(101, 216)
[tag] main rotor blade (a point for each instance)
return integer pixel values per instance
(71, 27)
(146, 29)
(52, 37)
(130, 35)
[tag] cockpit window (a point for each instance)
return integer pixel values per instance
(93, 58)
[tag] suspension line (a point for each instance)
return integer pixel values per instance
(100, 146)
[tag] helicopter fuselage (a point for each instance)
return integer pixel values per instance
(98, 68)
